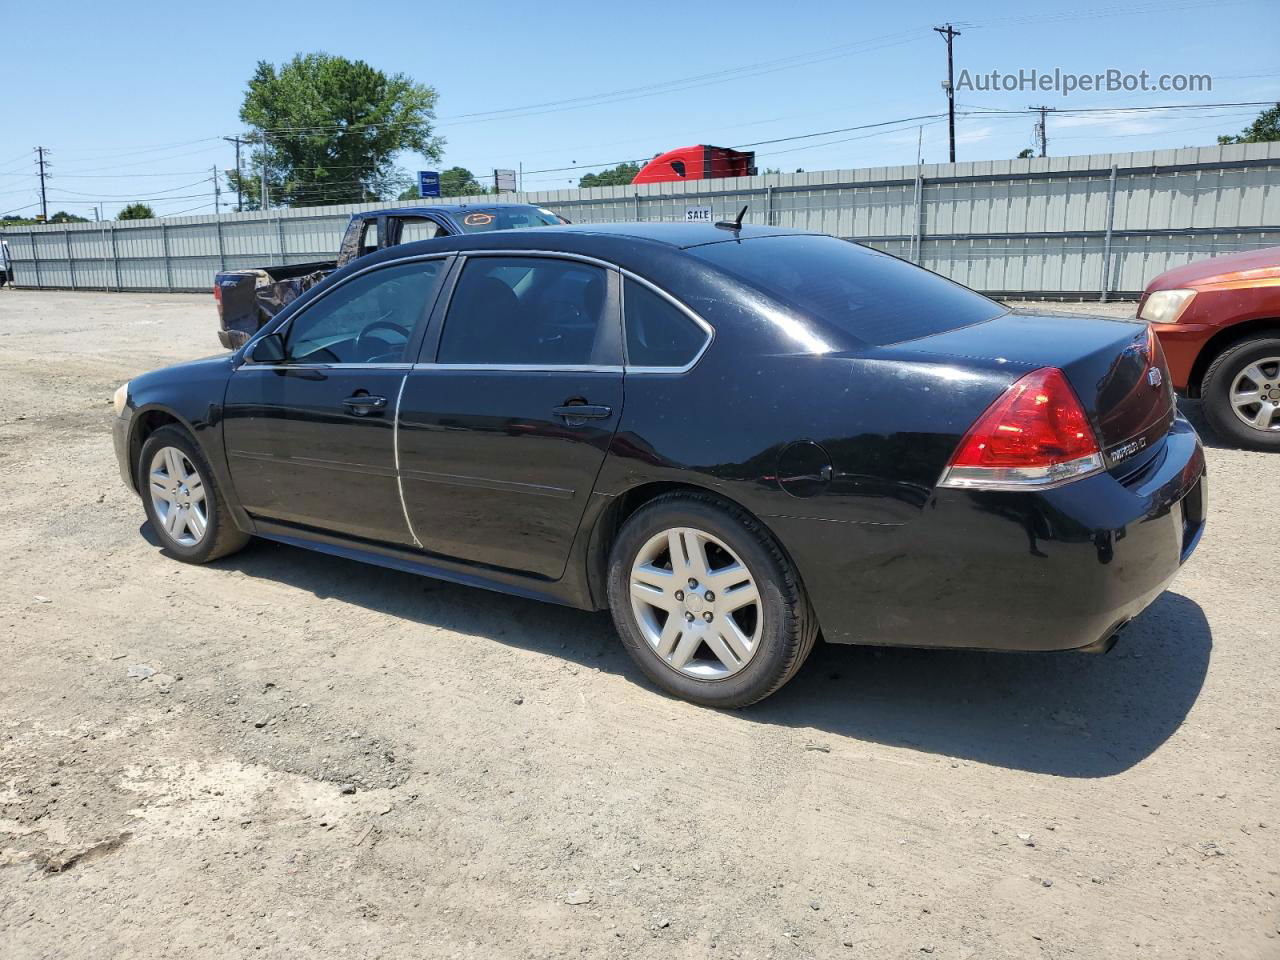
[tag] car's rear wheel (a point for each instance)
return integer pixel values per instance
(706, 603)
(1241, 393)
(182, 499)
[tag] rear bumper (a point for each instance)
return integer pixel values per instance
(1055, 570)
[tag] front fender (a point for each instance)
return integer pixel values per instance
(189, 395)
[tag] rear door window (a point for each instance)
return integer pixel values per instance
(876, 298)
(537, 311)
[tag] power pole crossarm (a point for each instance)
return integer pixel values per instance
(949, 33)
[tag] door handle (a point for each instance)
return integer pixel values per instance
(583, 411)
(362, 404)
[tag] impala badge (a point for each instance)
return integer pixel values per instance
(1154, 376)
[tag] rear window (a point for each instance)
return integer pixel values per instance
(875, 297)
(482, 221)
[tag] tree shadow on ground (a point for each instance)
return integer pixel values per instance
(1066, 714)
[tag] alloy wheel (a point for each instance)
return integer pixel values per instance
(178, 496)
(696, 603)
(1255, 394)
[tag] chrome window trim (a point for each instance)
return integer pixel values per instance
(688, 311)
(328, 366)
(524, 367)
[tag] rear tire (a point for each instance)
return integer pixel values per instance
(181, 497)
(1229, 382)
(706, 603)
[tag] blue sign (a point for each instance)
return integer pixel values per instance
(428, 183)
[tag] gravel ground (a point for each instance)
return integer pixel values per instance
(285, 754)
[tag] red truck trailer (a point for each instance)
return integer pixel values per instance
(700, 162)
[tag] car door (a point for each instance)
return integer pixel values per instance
(503, 431)
(310, 438)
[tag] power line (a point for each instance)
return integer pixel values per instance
(130, 196)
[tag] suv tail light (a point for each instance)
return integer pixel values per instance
(1035, 435)
(217, 297)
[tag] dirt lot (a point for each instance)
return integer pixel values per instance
(333, 760)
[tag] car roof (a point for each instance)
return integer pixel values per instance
(650, 249)
(605, 237)
(445, 208)
(680, 235)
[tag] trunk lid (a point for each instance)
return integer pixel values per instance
(1115, 367)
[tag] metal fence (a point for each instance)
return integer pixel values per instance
(1087, 227)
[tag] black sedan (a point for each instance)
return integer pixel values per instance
(737, 440)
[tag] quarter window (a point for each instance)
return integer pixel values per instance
(536, 311)
(658, 333)
(366, 320)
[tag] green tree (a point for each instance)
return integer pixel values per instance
(460, 182)
(1263, 130)
(1026, 154)
(136, 211)
(63, 217)
(622, 174)
(327, 130)
(454, 182)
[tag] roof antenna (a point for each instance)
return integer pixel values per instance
(733, 224)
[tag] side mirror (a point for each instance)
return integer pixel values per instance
(270, 349)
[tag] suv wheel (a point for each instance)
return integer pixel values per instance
(1241, 393)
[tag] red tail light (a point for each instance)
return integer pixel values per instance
(1035, 435)
(217, 296)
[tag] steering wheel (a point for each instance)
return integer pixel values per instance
(361, 345)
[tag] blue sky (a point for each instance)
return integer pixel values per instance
(131, 99)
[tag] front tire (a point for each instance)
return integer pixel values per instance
(1241, 393)
(706, 603)
(182, 499)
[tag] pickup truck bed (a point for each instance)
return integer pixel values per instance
(247, 299)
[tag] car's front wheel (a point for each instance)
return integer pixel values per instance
(182, 499)
(1241, 393)
(706, 603)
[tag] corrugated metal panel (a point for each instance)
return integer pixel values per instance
(1034, 225)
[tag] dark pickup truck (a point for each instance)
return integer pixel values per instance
(249, 298)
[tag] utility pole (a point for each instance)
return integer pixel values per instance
(239, 183)
(266, 199)
(949, 33)
(44, 204)
(1042, 132)
(217, 192)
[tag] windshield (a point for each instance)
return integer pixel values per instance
(875, 297)
(512, 218)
